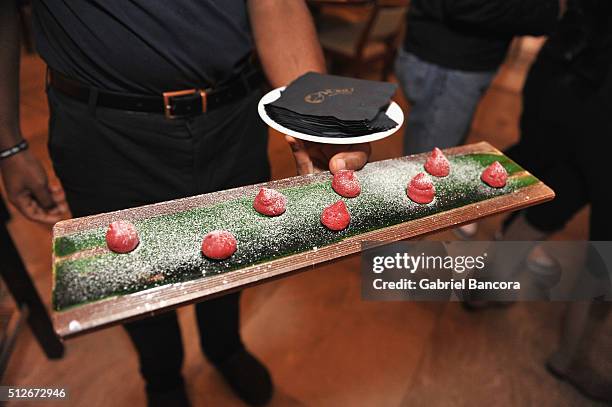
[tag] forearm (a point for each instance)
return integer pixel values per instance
(9, 74)
(285, 39)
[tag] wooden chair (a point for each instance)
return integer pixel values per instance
(357, 45)
(25, 19)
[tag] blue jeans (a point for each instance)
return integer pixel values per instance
(443, 102)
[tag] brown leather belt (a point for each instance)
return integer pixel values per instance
(174, 104)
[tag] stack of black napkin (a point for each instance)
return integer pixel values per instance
(333, 106)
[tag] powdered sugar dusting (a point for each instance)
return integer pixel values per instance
(170, 244)
(270, 202)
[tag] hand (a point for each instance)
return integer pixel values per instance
(316, 157)
(28, 189)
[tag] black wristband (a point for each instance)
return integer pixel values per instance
(13, 150)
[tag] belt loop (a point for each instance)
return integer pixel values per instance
(93, 100)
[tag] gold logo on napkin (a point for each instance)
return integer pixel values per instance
(320, 96)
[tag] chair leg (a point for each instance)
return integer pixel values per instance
(387, 69)
(25, 17)
(356, 69)
(24, 292)
(389, 60)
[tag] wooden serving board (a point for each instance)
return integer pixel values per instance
(94, 288)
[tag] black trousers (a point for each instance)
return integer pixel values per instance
(565, 141)
(108, 160)
(4, 214)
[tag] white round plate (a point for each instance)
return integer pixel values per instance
(393, 111)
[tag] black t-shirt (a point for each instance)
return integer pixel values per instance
(144, 46)
(474, 35)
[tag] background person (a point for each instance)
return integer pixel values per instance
(565, 141)
(451, 53)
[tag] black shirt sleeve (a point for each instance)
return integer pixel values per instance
(512, 17)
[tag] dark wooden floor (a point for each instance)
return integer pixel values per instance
(323, 344)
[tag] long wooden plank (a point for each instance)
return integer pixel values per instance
(100, 314)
